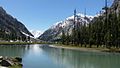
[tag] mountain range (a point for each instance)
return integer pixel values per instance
(11, 28)
(66, 25)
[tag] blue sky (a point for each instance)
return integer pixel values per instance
(42, 14)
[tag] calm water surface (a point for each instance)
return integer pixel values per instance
(43, 56)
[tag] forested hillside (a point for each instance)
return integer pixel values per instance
(101, 31)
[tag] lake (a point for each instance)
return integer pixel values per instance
(43, 56)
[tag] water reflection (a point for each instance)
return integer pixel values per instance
(10, 50)
(35, 57)
(77, 59)
(35, 49)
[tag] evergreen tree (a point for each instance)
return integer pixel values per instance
(63, 37)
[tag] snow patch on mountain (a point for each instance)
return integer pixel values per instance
(36, 33)
(69, 20)
(54, 33)
(80, 15)
(26, 34)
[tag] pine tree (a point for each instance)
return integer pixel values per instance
(67, 38)
(74, 29)
(63, 37)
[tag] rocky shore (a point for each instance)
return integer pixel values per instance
(10, 62)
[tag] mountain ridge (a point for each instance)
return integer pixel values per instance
(10, 27)
(55, 31)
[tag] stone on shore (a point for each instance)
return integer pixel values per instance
(18, 59)
(9, 62)
(1, 57)
(6, 63)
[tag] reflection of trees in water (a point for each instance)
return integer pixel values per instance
(16, 50)
(77, 59)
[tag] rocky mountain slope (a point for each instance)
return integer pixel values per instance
(55, 31)
(10, 27)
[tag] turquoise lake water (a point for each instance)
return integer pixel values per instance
(43, 56)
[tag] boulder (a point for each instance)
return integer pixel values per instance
(20, 64)
(6, 63)
(18, 59)
(10, 62)
(1, 57)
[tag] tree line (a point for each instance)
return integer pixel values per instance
(102, 31)
(12, 36)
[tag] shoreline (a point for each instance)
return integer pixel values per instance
(21, 43)
(93, 49)
(85, 49)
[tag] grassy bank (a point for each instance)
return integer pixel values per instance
(15, 66)
(22, 43)
(14, 43)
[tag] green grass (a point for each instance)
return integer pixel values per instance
(15, 66)
(22, 43)
(12, 43)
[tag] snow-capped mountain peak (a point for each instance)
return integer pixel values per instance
(80, 15)
(69, 20)
(66, 25)
(36, 33)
